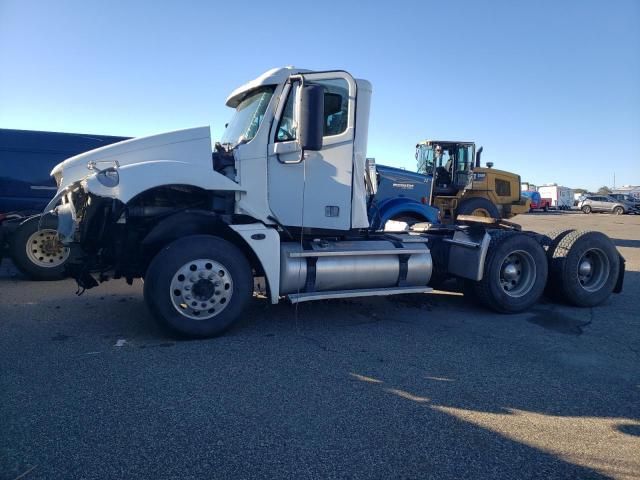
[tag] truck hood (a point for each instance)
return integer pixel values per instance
(191, 146)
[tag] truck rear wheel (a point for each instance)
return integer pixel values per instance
(515, 273)
(38, 253)
(198, 286)
(551, 242)
(584, 268)
(478, 206)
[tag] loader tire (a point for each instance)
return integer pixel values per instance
(478, 206)
(197, 286)
(515, 273)
(38, 254)
(583, 270)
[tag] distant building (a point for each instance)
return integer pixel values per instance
(633, 190)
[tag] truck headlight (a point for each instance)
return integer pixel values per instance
(109, 177)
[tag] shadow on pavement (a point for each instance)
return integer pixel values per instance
(408, 387)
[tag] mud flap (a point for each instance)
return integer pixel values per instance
(620, 281)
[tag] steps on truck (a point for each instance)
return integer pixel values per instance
(364, 292)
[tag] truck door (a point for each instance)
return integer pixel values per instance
(314, 191)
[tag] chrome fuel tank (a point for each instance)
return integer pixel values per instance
(348, 265)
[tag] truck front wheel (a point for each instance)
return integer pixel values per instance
(198, 286)
(515, 273)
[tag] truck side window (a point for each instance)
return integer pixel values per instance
(286, 126)
(336, 106)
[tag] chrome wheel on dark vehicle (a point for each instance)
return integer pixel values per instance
(45, 250)
(37, 253)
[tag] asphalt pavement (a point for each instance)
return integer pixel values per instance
(422, 386)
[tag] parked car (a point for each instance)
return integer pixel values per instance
(624, 197)
(605, 203)
(26, 187)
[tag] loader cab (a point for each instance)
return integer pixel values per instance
(450, 164)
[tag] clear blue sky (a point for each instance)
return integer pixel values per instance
(550, 88)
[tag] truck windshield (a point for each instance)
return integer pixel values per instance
(249, 113)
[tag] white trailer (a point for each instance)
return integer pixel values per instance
(561, 197)
(283, 202)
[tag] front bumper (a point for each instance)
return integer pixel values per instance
(61, 213)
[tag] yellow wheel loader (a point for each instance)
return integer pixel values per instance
(460, 186)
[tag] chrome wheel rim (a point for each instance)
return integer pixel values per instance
(517, 273)
(593, 270)
(45, 249)
(201, 289)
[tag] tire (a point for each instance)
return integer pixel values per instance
(550, 244)
(215, 268)
(546, 208)
(478, 206)
(586, 209)
(515, 273)
(583, 270)
(553, 238)
(38, 254)
(618, 211)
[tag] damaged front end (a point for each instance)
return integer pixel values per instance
(91, 223)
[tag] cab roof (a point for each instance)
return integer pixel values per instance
(275, 76)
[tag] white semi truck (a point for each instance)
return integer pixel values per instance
(283, 199)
